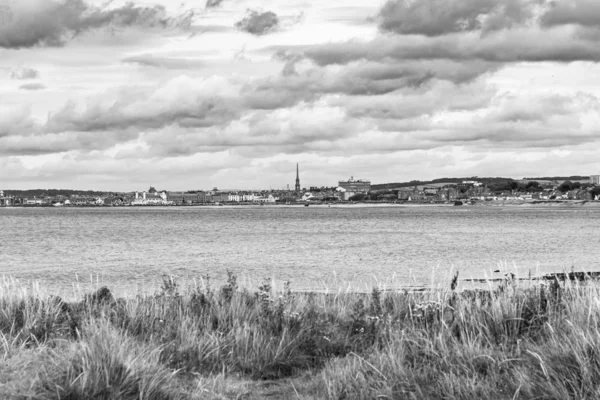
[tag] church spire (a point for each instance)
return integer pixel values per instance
(297, 179)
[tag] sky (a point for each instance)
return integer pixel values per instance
(196, 94)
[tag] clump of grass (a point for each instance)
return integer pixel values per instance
(510, 342)
(106, 364)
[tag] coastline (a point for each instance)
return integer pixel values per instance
(478, 203)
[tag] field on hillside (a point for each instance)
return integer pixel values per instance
(513, 341)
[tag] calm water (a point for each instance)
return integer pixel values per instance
(310, 246)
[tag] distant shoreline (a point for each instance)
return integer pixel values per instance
(493, 203)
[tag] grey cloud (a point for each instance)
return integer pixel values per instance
(513, 136)
(411, 105)
(150, 60)
(148, 108)
(202, 29)
(265, 133)
(381, 99)
(16, 122)
(578, 12)
(411, 73)
(517, 122)
(290, 60)
(500, 47)
(33, 86)
(439, 17)
(25, 73)
(213, 3)
(258, 23)
(360, 78)
(470, 35)
(53, 22)
(205, 112)
(33, 145)
(41, 142)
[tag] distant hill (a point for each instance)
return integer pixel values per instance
(559, 178)
(437, 182)
(52, 192)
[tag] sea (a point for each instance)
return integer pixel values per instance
(325, 247)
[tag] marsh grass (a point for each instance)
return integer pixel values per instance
(512, 341)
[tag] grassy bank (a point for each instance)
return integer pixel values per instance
(229, 343)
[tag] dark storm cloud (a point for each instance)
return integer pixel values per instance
(33, 86)
(24, 74)
(258, 23)
(439, 17)
(53, 22)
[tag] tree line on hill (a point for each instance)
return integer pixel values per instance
(559, 178)
(496, 186)
(485, 181)
(494, 183)
(53, 192)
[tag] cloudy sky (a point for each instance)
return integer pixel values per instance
(114, 95)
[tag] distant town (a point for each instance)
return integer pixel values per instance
(444, 190)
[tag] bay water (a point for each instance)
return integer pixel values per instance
(315, 248)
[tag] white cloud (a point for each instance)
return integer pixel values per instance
(406, 91)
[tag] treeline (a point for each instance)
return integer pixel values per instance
(535, 186)
(52, 193)
(486, 181)
(560, 178)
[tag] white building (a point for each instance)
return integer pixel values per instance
(248, 196)
(264, 199)
(474, 183)
(34, 202)
(151, 199)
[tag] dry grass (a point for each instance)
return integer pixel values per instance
(225, 343)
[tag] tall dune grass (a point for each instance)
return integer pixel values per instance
(515, 341)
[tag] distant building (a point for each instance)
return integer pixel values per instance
(220, 197)
(355, 186)
(34, 202)
(249, 196)
(151, 199)
(181, 198)
(265, 199)
(472, 183)
(595, 179)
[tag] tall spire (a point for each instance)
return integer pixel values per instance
(297, 179)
